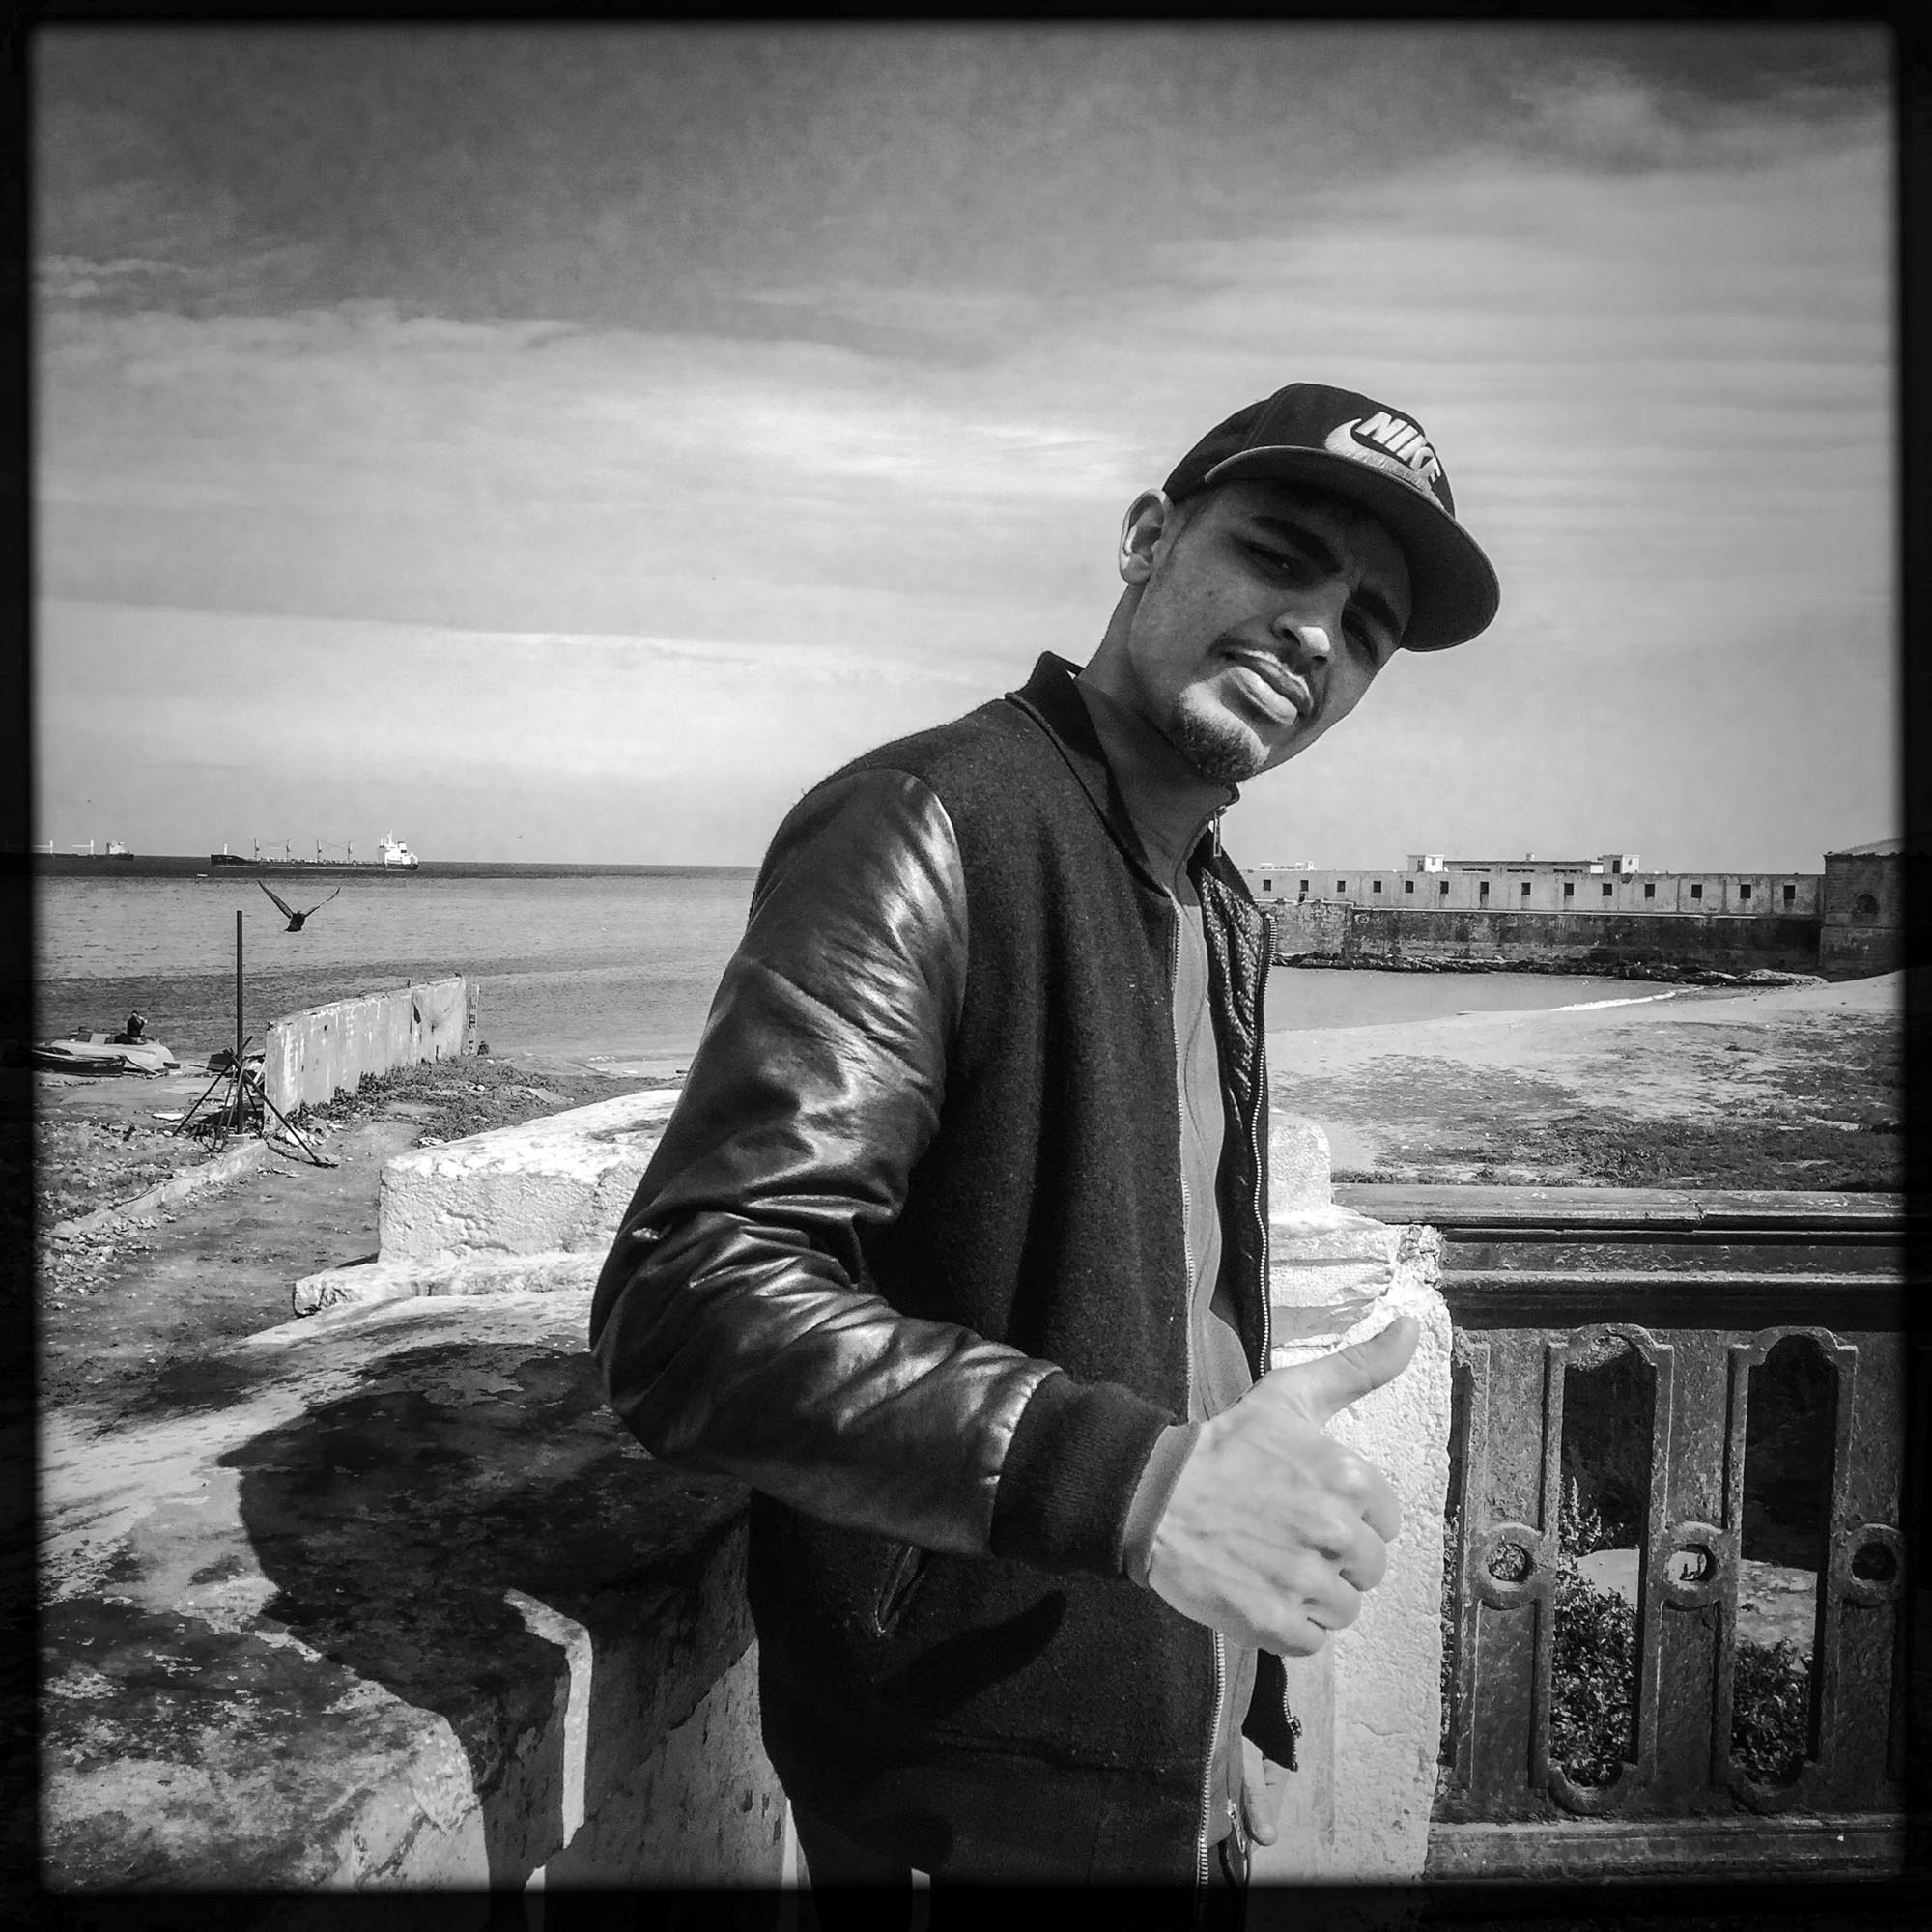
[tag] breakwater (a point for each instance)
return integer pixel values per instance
(1656, 945)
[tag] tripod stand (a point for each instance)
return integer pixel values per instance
(241, 1108)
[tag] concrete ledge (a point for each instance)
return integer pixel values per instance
(1326, 1263)
(389, 1598)
(1369, 1701)
(557, 1184)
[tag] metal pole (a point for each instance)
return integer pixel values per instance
(237, 985)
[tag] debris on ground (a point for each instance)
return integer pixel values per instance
(454, 1099)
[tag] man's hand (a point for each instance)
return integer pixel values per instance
(1274, 1531)
(1264, 1787)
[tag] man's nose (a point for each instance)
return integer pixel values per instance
(1307, 636)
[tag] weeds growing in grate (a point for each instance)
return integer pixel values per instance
(1593, 1672)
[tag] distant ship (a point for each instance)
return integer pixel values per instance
(396, 857)
(113, 849)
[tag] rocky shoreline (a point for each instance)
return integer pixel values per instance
(1665, 973)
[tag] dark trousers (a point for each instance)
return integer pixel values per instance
(852, 1889)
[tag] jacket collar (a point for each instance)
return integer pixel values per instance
(1051, 699)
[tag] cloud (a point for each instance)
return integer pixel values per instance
(1636, 113)
(69, 279)
(1656, 359)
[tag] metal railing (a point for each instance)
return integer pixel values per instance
(1609, 1346)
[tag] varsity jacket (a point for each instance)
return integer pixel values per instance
(909, 1262)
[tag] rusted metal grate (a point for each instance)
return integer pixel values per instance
(1692, 1294)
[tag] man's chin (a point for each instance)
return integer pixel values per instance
(1219, 749)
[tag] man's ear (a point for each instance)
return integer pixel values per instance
(1147, 515)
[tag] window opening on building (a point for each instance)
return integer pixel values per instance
(1409, 886)
(1790, 894)
(1743, 890)
(1865, 904)
(1268, 885)
(1442, 891)
(1303, 893)
(1341, 885)
(1650, 891)
(1569, 888)
(1697, 891)
(1525, 888)
(1483, 891)
(1608, 890)
(1377, 887)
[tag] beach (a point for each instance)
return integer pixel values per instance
(1796, 1086)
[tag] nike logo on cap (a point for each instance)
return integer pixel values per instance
(1387, 441)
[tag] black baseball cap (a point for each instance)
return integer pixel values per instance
(1379, 458)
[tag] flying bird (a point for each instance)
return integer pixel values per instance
(296, 918)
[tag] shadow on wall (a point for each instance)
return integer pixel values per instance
(477, 1535)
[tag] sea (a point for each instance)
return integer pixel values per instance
(607, 971)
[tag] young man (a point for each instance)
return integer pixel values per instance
(955, 1246)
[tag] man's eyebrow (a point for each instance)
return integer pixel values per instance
(1370, 599)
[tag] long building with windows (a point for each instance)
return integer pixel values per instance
(1612, 882)
(1858, 915)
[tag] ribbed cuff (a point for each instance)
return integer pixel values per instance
(1071, 1473)
(1149, 1504)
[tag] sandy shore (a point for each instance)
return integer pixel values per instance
(1439, 1099)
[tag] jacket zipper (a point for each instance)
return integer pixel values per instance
(1208, 1771)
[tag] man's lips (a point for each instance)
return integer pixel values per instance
(1276, 676)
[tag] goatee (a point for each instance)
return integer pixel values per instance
(1216, 746)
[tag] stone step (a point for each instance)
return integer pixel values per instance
(464, 1275)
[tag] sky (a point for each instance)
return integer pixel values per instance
(570, 443)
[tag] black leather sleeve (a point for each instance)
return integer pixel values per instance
(731, 1320)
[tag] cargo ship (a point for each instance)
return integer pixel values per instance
(395, 857)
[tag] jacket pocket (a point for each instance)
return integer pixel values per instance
(904, 1572)
(1269, 1723)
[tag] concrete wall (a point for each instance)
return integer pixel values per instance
(1725, 943)
(390, 1599)
(312, 1056)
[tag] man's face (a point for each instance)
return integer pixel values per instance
(1261, 622)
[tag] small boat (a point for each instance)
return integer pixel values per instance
(102, 1053)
